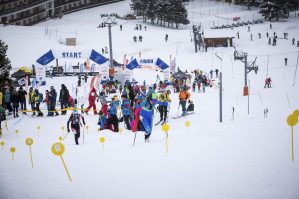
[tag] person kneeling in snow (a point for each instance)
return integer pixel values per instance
(75, 124)
(190, 107)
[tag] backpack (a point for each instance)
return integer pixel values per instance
(40, 98)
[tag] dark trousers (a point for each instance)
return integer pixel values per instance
(163, 113)
(183, 104)
(52, 108)
(23, 106)
(15, 111)
(39, 113)
(64, 104)
(113, 120)
(76, 131)
(127, 120)
(8, 106)
(33, 108)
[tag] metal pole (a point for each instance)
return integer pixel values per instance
(110, 45)
(245, 69)
(220, 96)
(248, 94)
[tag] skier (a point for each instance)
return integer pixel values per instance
(31, 100)
(112, 119)
(121, 27)
(47, 101)
(63, 98)
(75, 124)
(146, 118)
(38, 98)
(22, 96)
(248, 29)
(293, 41)
(260, 36)
(91, 99)
(166, 37)
(15, 100)
(238, 35)
(216, 71)
(269, 41)
(102, 98)
(126, 111)
(251, 37)
(7, 100)
(267, 34)
(102, 120)
(211, 73)
(270, 25)
(184, 95)
(52, 100)
(163, 101)
(285, 61)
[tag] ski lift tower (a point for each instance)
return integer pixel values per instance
(242, 56)
(110, 20)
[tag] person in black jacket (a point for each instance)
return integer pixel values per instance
(75, 124)
(22, 96)
(63, 98)
(15, 100)
(52, 101)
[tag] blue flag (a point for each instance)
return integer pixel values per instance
(97, 57)
(161, 64)
(133, 64)
(46, 58)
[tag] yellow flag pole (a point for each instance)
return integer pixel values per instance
(31, 156)
(166, 142)
(66, 168)
(293, 143)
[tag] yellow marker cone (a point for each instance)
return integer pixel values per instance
(12, 150)
(2, 144)
(17, 132)
(62, 128)
(187, 124)
(102, 140)
(38, 128)
(58, 149)
(165, 128)
(29, 142)
(292, 120)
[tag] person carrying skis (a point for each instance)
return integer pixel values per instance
(184, 95)
(163, 101)
(75, 122)
(126, 111)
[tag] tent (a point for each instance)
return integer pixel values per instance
(180, 75)
(20, 75)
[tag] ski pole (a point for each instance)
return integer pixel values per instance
(83, 134)
(134, 138)
(178, 109)
(66, 135)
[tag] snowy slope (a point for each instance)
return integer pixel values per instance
(247, 158)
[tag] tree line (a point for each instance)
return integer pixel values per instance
(170, 13)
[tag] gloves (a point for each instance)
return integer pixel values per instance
(68, 130)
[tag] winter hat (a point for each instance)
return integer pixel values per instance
(52, 87)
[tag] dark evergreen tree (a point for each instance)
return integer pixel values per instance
(151, 10)
(277, 9)
(180, 13)
(5, 65)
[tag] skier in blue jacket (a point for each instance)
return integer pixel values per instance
(126, 111)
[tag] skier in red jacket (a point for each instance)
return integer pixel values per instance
(91, 99)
